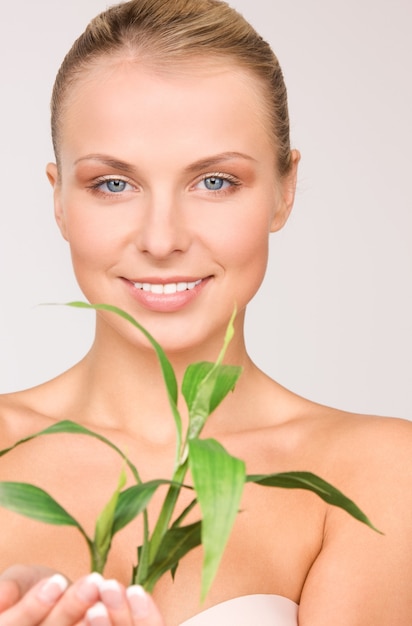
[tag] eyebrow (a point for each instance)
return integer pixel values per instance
(205, 163)
(208, 162)
(116, 164)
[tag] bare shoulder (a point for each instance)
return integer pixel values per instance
(291, 432)
(355, 575)
(367, 456)
(361, 576)
(371, 458)
(381, 445)
(20, 416)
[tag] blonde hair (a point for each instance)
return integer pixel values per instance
(165, 32)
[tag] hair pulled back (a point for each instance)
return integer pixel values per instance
(166, 32)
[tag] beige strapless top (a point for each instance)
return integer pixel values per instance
(261, 609)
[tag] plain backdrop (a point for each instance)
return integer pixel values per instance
(333, 320)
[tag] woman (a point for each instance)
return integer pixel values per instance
(173, 167)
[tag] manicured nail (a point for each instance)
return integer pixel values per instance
(88, 589)
(111, 594)
(97, 615)
(52, 589)
(138, 601)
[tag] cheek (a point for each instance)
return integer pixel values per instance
(94, 243)
(247, 236)
(87, 243)
(253, 259)
(245, 248)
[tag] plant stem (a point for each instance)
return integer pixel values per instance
(167, 510)
(98, 561)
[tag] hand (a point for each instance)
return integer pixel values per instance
(27, 598)
(17, 580)
(36, 596)
(123, 607)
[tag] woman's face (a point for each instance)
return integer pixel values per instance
(167, 195)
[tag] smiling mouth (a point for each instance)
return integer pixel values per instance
(167, 288)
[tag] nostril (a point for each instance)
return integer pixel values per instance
(162, 242)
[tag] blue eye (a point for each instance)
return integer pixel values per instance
(116, 185)
(214, 183)
(111, 186)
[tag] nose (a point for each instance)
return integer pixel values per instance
(163, 228)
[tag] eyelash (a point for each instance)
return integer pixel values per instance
(94, 187)
(232, 180)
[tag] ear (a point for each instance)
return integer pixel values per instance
(54, 179)
(287, 194)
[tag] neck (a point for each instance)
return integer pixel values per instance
(123, 388)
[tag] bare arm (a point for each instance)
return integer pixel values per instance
(361, 577)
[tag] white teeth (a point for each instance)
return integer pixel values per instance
(167, 288)
(156, 289)
(170, 288)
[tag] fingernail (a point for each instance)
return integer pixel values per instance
(88, 589)
(97, 615)
(52, 589)
(111, 594)
(138, 601)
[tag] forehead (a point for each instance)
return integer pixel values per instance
(122, 107)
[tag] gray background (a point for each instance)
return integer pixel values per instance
(333, 320)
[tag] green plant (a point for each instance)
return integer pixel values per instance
(218, 480)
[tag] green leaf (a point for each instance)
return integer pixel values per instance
(167, 510)
(205, 385)
(166, 367)
(178, 521)
(67, 426)
(33, 502)
(133, 501)
(208, 393)
(312, 482)
(218, 480)
(104, 525)
(193, 377)
(176, 543)
(230, 331)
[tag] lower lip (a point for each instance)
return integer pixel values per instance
(167, 302)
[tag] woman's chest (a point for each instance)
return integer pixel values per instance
(274, 542)
(275, 539)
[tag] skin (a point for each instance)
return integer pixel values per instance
(165, 224)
